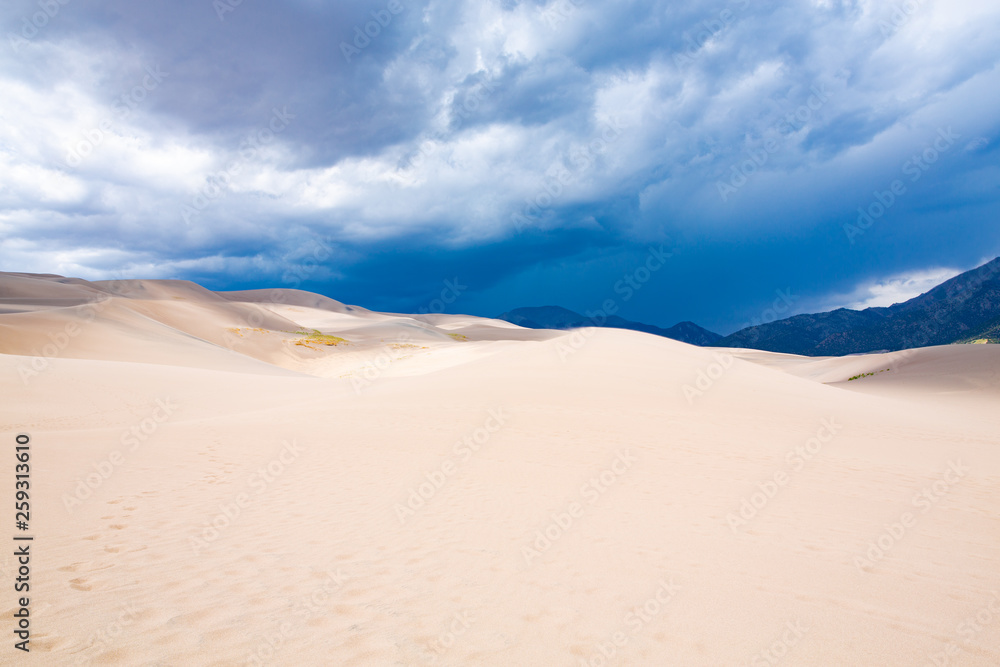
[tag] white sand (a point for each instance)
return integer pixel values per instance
(603, 432)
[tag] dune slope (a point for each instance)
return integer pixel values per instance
(495, 497)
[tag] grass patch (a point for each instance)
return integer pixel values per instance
(865, 375)
(314, 337)
(458, 336)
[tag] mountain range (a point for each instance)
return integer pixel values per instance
(965, 309)
(556, 317)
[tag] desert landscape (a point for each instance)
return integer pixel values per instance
(452, 333)
(274, 477)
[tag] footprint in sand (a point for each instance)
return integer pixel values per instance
(85, 566)
(80, 584)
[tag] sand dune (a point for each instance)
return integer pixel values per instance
(214, 484)
(963, 376)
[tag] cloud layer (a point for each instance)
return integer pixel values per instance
(532, 150)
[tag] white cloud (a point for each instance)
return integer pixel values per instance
(685, 127)
(897, 289)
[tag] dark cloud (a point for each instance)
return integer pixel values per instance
(405, 138)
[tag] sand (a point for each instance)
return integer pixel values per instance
(210, 487)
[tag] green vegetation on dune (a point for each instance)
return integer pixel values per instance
(864, 375)
(314, 336)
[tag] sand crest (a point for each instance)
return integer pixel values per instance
(274, 477)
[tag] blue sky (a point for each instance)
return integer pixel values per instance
(790, 157)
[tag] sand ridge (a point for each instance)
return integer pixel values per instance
(498, 496)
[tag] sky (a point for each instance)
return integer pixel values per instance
(721, 162)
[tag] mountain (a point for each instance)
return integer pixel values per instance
(963, 309)
(556, 317)
(988, 333)
(545, 317)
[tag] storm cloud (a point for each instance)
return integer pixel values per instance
(533, 151)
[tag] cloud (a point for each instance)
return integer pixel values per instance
(454, 121)
(899, 288)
